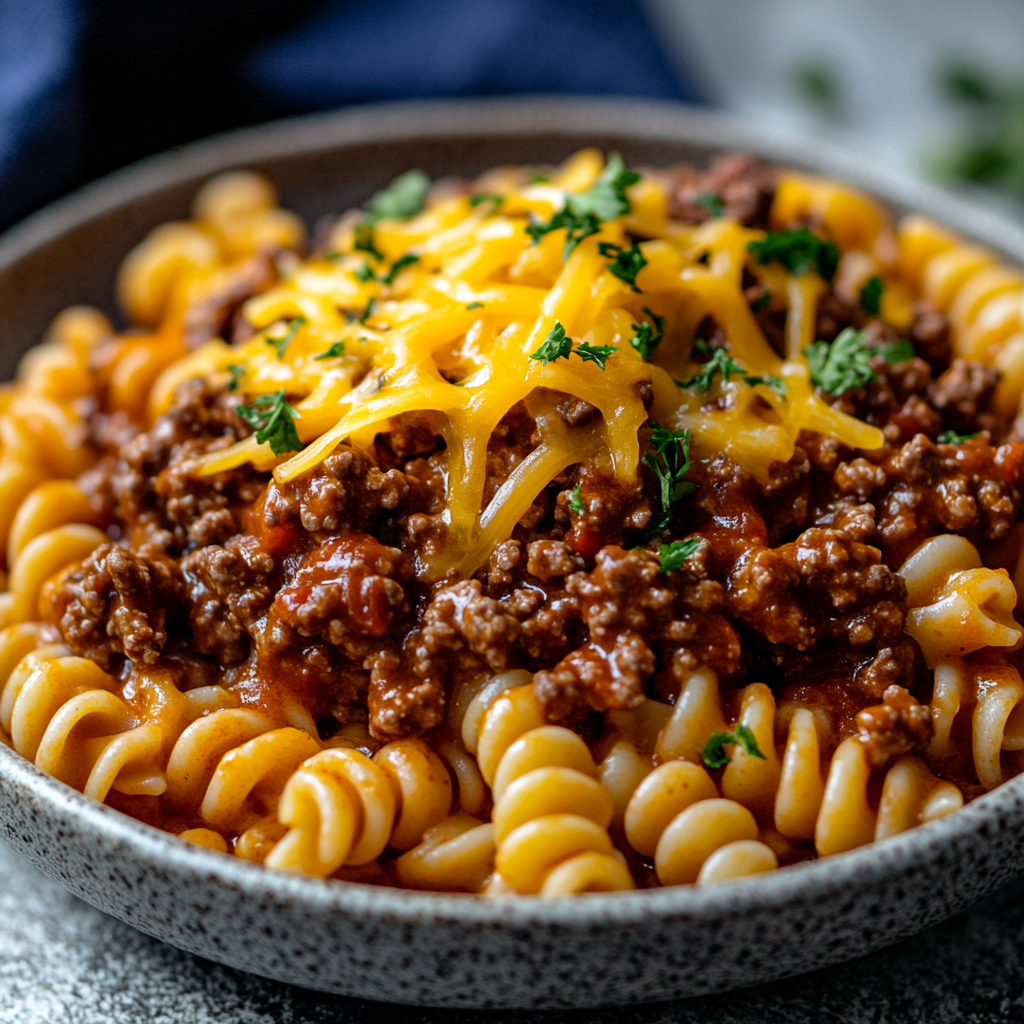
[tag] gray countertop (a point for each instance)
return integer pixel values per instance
(61, 962)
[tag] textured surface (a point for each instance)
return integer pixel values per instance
(61, 962)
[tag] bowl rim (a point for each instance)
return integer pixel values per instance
(642, 120)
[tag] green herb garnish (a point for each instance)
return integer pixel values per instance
(648, 338)
(845, 363)
(364, 272)
(475, 305)
(368, 312)
(710, 202)
(337, 349)
(720, 362)
(538, 179)
(871, 295)
(557, 345)
(670, 462)
(363, 239)
(237, 372)
(714, 754)
(273, 419)
(594, 353)
(799, 251)
(763, 301)
(398, 266)
(280, 344)
(625, 263)
(584, 212)
(952, 437)
(478, 198)
(672, 556)
(402, 199)
(576, 502)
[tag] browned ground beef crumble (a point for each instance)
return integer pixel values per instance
(311, 589)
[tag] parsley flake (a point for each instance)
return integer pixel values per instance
(871, 295)
(273, 419)
(647, 338)
(364, 273)
(475, 305)
(402, 199)
(584, 212)
(798, 251)
(763, 301)
(625, 263)
(398, 266)
(280, 344)
(337, 349)
(594, 353)
(952, 437)
(538, 179)
(672, 556)
(237, 372)
(671, 463)
(714, 753)
(719, 363)
(478, 198)
(845, 363)
(557, 345)
(363, 239)
(710, 202)
(576, 502)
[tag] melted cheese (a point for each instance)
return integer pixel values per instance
(453, 334)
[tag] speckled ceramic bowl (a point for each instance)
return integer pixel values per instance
(459, 950)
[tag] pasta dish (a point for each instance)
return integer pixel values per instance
(571, 529)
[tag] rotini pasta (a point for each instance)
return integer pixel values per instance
(573, 529)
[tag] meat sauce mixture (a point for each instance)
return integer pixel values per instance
(305, 594)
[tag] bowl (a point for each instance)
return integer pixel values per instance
(446, 950)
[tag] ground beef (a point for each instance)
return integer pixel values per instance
(961, 394)
(820, 586)
(743, 188)
(209, 316)
(116, 603)
(897, 726)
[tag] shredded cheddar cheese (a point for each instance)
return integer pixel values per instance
(451, 333)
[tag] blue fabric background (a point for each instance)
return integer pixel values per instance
(58, 127)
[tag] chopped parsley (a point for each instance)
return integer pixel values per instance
(364, 272)
(845, 363)
(280, 344)
(337, 349)
(274, 421)
(952, 437)
(710, 202)
(871, 295)
(237, 372)
(475, 305)
(584, 212)
(478, 198)
(558, 345)
(537, 179)
(363, 239)
(576, 502)
(763, 301)
(670, 462)
(722, 363)
(672, 556)
(594, 353)
(368, 312)
(402, 199)
(799, 251)
(648, 338)
(625, 263)
(714, 754)
(398, 266)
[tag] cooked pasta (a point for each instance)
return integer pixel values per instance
(572, 529)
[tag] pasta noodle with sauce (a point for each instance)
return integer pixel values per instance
(571, 529)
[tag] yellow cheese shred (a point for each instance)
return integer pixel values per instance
(452, 334)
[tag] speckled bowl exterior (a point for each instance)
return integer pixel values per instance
(444, 950)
